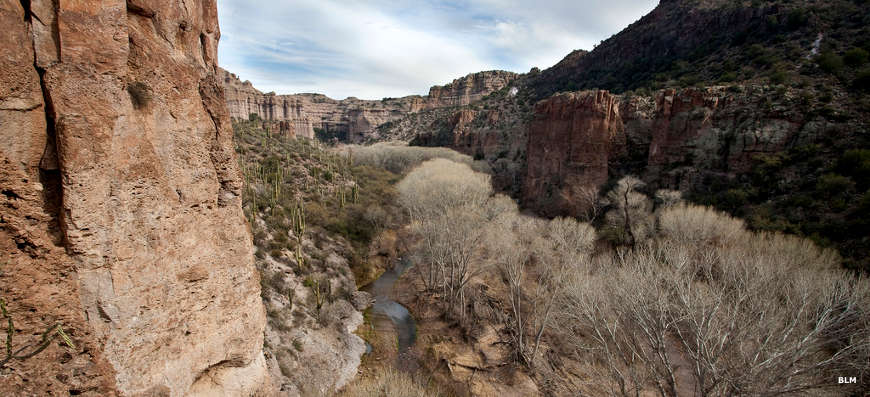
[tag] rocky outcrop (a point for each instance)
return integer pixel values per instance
(571, 141)
(121, 210)
(580, 140)
(350, 119)
(468, 89)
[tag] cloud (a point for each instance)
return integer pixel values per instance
(380, 48)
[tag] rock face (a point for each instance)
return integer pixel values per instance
(571, 141)
(121, 215)
(468, 89)
(350, 119)
(674, 139)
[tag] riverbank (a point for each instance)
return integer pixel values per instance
(476, 362)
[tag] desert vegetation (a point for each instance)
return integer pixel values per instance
(647, 294)
(707, 308)
(399, 157)
(665, 297)
(392, 383)
(29, 350)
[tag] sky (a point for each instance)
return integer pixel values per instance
(372, 49)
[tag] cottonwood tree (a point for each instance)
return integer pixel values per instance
(510, 237)
(630, 211)
(584, 201)
(755, 314)
(668, 198)
(436, 185)
(561, 252)
(448, 204)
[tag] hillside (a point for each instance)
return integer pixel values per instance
(705, 42)
(317, 223)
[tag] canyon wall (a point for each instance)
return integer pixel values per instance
(571, 141)
(471, 88)
(120, 217)
(352, 119)
(675, 139)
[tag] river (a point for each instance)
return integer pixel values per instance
(386, 308)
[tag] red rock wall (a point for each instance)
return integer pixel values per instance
(571, 141)
(581, 139)
(121, 212)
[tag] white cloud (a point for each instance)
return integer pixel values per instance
(383, 48)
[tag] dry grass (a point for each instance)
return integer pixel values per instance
(389, 383)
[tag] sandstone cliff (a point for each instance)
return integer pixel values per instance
(571, 141)
(121, 210)
(468, 89)
(350, 119)
(687, 138)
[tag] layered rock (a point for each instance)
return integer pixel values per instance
(121, 203)
(350, 119)
(570, 143)
(468, 89)
(580, 140)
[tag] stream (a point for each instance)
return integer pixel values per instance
(385, 307)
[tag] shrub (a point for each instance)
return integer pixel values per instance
(778, 76)
(856, 57)
(692, 224)
(796, 19)
(830, 185)
(862, 80)
(856, 164)
(829, 62)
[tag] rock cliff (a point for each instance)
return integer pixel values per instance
(468, 89)
(121, 210)
(684, 138)
(570, 143)
(350, 119)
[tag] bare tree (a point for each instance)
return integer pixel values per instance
(510, 237)
(583, 200)
(668, 198)
(449, 204)
(562, 252)
(749, 314)
(630, 210)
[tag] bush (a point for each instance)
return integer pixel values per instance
(796, 19)
(862, 80)
(778, 76)
(831, 185)
(856, 164)
(856, 57)
(829, 62)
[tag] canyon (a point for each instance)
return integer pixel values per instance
(351, 120)
(122, 219)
